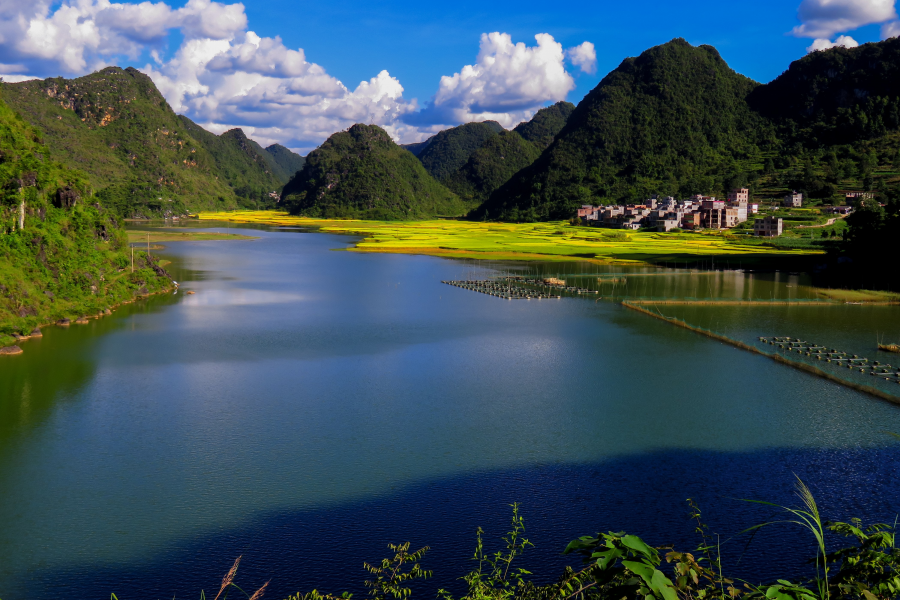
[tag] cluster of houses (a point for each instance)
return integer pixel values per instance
(698, 212)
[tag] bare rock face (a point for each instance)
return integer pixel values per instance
(28, 179)
(37, 333)
(107, 312)
(11, 350)
(81, 321)
(66, 197)
(64, 322)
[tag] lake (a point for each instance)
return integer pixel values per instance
(308, 406)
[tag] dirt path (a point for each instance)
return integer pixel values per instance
(826, 224)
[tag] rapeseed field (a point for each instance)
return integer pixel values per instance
(524, 241)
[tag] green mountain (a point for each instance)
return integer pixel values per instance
(837, 96)
(417, 147)
(670, 121)
(502, 156)
(116, 126)
(362, 173)
(62, 254)
(250, 171)
(288, 161)
(678, 121)
(545, 124)
(490, 166)
(450, 149)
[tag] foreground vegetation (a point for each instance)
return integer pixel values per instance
(619, 566)
(532, 241)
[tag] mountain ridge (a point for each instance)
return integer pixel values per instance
(362, 173)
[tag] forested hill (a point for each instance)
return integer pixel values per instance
(543, 127)
(669, 121)
(141, 157)
(678, 121)
(62, 254)
(837, 96)
(362, 173)
(246, 167)
(503, 155)
(287, 160)
(449, 150)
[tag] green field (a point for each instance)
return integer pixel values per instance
(158, 236)
(530, 241)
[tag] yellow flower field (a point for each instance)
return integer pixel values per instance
(525, 241)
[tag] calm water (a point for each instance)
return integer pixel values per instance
(308, 406)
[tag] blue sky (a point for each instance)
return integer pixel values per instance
(289, 71)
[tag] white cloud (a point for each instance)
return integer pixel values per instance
(844, 41)
(223, 75)
(890, 30)
(273, 92)
(824, 18)
(80, 35)
(508, 83)
(584, 57)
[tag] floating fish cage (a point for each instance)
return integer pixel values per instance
(492, 287)
(549, 282)
(835, 357)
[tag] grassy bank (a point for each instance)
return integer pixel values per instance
(72, 263)
(534, 241)
(160, 236)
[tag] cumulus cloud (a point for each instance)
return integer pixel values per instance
(890, 30)
(584, 57)
(824, 18)
(222, 75)
(82, 35)
(844, 41)
(507, 83)
(272, 92)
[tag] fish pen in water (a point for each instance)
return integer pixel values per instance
(495, 288)
(851, 371)
(836, 357)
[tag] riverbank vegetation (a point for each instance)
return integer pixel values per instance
(62, 254)
(621, 566)
(535, 241)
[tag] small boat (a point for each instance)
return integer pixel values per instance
(889, 347)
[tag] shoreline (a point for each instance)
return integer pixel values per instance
(82, 320)
(547, 241)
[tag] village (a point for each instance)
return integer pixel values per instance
(700, 212)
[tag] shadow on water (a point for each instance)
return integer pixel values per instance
(324, 548)
(58, 365)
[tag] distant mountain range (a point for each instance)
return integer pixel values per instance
(115, 126)
(676, 120)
